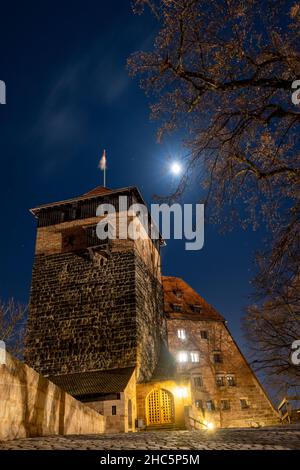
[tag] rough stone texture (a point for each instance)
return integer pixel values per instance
(99, 309)
(30, 405)
(277, 438)
(151, 323)
(82, 317)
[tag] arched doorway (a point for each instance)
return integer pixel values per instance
(160, 407)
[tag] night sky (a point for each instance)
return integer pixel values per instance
(68, 97)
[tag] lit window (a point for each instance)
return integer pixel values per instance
(182, 356)
(198, 382)
(230, 380)
(204, 334)
(199, 404)
(114, 410)
(218, 359)
(210, 405)
(225, 405)
(181, 333)
(244, 403)
(220, 381)
(195, 357)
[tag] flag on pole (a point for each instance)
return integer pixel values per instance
(102, 166)
(102, 163)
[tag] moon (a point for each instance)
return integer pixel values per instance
(176, 168)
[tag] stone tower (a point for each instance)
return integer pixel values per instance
(95, 304)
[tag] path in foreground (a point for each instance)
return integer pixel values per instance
(279, 438)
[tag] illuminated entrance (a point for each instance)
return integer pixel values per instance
(160, 407)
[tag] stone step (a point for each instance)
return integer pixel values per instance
(164, 427)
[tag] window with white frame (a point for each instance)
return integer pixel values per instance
(181, 333)
(198, 382)
(182, 356)
(230, 380)
(199, 404)
(210, 405)
(225, 405)
(195, 356)
(220, 380)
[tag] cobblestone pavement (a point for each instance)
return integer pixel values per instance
(277, 438)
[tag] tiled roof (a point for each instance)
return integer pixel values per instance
(98, 191)
(187, 304)
(94, 382)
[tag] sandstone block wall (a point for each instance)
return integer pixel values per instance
(30, 405)
(260, 410)
(151, 323)
(82, 315)
(89, 311)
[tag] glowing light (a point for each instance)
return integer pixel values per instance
(182, 356)
(181, 333)
(181, 392)
(176, 168)
(209, 426)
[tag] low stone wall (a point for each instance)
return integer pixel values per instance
(31, 405)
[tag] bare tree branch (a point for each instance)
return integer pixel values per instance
(12, 325)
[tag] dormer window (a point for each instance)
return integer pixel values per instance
(177, 307)
(178, 294)
(196, 308)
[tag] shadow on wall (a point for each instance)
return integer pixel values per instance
(31, 405)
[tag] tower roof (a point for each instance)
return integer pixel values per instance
(182, 302)
(96, 192)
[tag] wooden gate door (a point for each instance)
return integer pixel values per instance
(160, 407)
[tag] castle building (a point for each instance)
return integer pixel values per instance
(224, 389)
(105, 326)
